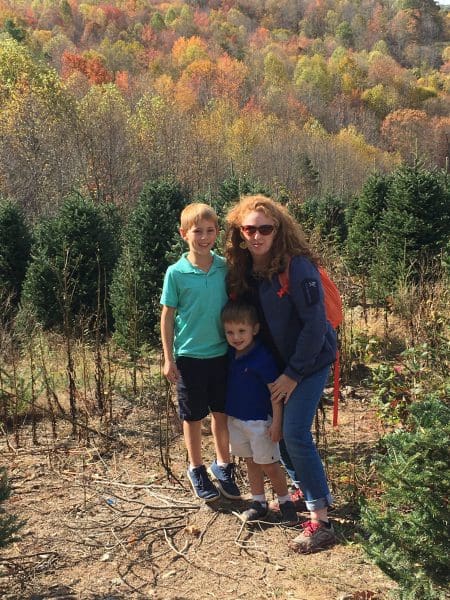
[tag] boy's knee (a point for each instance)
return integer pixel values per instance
(271, 468)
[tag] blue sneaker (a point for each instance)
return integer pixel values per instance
(224, 477)
(202, 484)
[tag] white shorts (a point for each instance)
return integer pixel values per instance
(250, 439)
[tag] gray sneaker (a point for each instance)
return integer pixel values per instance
(314, 537)
(256, 512)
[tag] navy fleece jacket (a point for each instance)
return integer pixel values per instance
(302, 335)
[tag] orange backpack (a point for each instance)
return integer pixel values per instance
(334, 313)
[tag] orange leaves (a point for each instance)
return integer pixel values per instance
(385, 70)
(195, 84)
(122, 80)
(203, 80)
(401, 127)
(413, 132)
(230, 76)
(90, 65)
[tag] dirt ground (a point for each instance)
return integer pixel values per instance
(105, 522)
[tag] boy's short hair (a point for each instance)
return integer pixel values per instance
(236, 311)
(195, 212)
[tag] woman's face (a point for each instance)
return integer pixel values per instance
(259, 231)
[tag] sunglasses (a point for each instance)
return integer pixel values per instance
(250, 230)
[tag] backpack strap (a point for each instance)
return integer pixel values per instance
(336, 376)
(283, 279)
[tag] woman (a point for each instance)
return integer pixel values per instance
(262, 240)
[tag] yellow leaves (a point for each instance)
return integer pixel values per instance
(93, 14)
(103, 100)
(213, 123)
(200, 68)
(41, 37)
(353, 149)
(185, 51)
(311, 74)
(352, 138)
(165, 86)
(275, 71)
(380, 100)
(247, 131)
(314, 128)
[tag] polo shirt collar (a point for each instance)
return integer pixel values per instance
(185, 266)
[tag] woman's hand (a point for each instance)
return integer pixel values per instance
(282, 388)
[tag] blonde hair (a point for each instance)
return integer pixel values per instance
(289, 240)
(195, 212)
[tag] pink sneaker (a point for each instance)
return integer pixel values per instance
(314, 537)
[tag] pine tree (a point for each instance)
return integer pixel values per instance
(15, 243)
(137, 283)
(364, 228)
(308, 175)
(408, 526)
(325, 215)
(232, 188)
(72, 252)
(9, 524)
(414, 226)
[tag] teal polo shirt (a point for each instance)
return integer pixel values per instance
(198, 298)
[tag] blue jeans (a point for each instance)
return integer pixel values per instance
(298, 417)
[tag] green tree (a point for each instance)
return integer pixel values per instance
(137, 284)
(408, 526)
(414, 226)
(73, 252)
(9, 524)
(325, 215)
(364, 228)
(232, 188)
(157, 22)
(17, 32)
(15, 244)
(344, 34)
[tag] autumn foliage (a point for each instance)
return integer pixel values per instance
(252, 87)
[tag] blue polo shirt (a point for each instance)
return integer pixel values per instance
(248, 397)
(198, 298)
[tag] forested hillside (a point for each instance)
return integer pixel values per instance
(113, 116)
(307, 97)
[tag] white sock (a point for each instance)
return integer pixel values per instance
(283, 499)
(260, 498)
(221, 464)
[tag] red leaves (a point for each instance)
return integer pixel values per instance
(91, 66)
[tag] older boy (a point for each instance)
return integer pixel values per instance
(195, 349)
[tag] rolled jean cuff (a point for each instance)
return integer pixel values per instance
(312, 505)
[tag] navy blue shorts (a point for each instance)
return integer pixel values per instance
(201, 387)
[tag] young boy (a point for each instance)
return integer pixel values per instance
(253, 423)
(195, 349)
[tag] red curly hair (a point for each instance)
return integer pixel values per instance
(289, 241)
